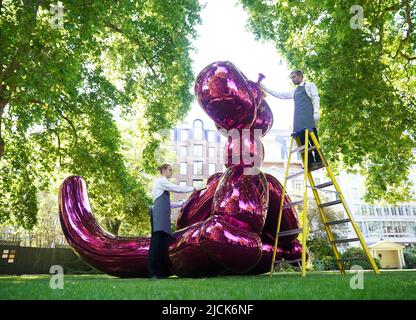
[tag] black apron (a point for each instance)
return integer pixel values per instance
(160, 213)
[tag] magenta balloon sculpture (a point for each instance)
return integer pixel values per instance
(227, 228)
(243, 150)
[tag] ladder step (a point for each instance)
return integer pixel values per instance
(295, 175)
(303, 148)
(332, 203)
(345, 240)
(329, 191)
(293, 204)
(290, 232)
(323, 185)
(337, 222)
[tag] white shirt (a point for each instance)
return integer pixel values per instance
(311, 91)
(162, 184)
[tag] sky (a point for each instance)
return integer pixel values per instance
(223, 35)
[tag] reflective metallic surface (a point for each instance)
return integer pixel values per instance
(294, 251)
(265, 262)
(224, 94)
(290, 219)
(188, 257)
(242, 199)
(243, 149)
(234, 249)
(227, 228)
(264, 118)
(118, 256)
(198, 205)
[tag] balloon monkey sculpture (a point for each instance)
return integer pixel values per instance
(227, 228)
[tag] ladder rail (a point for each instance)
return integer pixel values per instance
(344, 204)
(305, 203)
(282, 201)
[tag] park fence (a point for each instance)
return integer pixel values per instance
(17, 260)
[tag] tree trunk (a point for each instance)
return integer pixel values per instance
(113, 226)
(3, 103)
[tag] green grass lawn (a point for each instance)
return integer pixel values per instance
(316, 285)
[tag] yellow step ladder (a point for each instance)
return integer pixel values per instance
(305, 149)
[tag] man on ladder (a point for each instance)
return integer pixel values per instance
(304, 129)
(306, 112)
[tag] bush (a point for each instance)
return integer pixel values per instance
(355, 252)
(286, 267)
(330, 263)
(319, 247)
(410, 257)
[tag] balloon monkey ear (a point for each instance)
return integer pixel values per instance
(260, 78)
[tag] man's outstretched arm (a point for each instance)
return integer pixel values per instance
(279, 95)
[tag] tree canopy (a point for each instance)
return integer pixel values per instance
(366, 75)
(62, 89)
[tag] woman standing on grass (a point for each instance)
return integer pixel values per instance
(158, 263)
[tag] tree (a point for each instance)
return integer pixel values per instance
(62, 88)
(365, 71)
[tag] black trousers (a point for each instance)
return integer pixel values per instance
(313, 156)
(158, 260)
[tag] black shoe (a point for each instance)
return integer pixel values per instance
(315, 166)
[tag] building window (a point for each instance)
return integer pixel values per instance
(197, 150)
(184, 150)
(211, 168)
(197, 168)
(371, 210)
(184, 135)
(211, 152)
(198, 130)
(212, 136)
(182, 183)
(297, 185)
(172, 134)
(408, 210)
(183, 168)
(401, 213)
